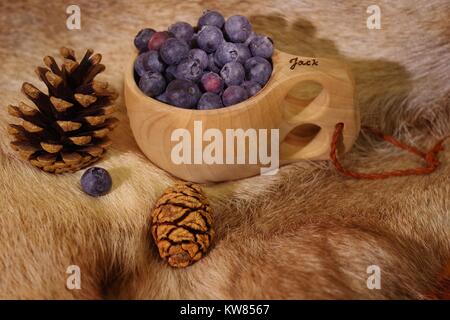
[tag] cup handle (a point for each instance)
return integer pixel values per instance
(317, 118)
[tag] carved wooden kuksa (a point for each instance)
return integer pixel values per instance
(305, 127)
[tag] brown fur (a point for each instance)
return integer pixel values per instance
(304, 233)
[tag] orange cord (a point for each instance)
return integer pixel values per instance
(432, 162)
(430, 157)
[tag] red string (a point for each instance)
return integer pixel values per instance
(430, 157)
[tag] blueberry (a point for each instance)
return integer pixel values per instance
(158, 38)
(243, 53)
(162, 98)
(209, 38)
(152, 83)
(211, 18)
(193, 43)
(173, 50)
(96, 181)
(211, 64)
(258, 69)
(182, 30)
(209, 101)
(252, 87)
(199, 55)
(139, 65)
(148, 61)
(250, 38)
(141, 39)
(212, 82)
(170, 72)
(233, 95)
(225, 53)
(233, 73)
(261, 46)
(238, 28)
(183, 93)
(229, 51)
(189, 69)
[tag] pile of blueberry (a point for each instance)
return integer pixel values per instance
(218, 63)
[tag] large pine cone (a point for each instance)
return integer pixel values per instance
(68, 130)
(182, 225)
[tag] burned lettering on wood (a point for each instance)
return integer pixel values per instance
(309, 62)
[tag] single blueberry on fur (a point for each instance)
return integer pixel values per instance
(96, 181)
(183, 93)
(238, 28)
(233, 95)
(261, 46)
(157, 39)
(209, 101)
(182, 30)
(189, 69)
(152, 83)
(252, 87)
(148, 61)
(199, 55)
(173, 50)
(209, 38)
(212, 82)
(211, 18)
(141, 39)
(233, 73)
(258, 69)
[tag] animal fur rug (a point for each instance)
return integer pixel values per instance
(307, 232)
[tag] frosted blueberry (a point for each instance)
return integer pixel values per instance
(96, 181)
(209, 38)
(173, 50)
(141, 39)
(209, 100)
(148, 61)
(189, 69)
(183, 93)
(233, 95)
(252, 87)
(258, 69)
(212, 82)
(233, 73)
(261, 46)
(157, 39)
(211, 18)
(199, 55)
(212, 64)
(182, 30)
(170, 72)
(152, 83)
(238, 28)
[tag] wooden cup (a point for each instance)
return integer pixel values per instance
(305, 127)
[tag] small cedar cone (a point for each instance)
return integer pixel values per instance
(67, 128)
(182, 225)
